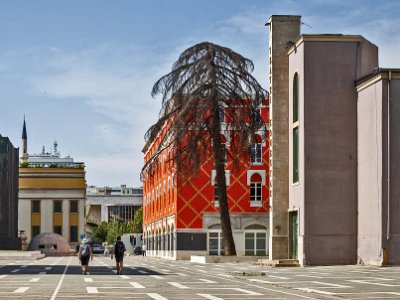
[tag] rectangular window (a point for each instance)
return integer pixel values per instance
(255, 192)
(58, 230)
(256, 153)
(261, 239)
(257, 116)
(215, 243)
(73, 206)
(296, 154)
(216, 195)
(73, 234)
(36, 206)
(57, 206)
(35, 231)
(224, 155)
(249, 243)
(255, 243)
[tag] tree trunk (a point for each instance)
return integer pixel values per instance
(229, 244)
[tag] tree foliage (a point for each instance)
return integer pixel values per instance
(109, 231)
(137, 225)
(100, 233)
(205, 82)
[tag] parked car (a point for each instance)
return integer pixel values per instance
(98, 248)
(137, 250)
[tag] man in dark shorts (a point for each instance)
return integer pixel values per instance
(85, 253)
(119, 250)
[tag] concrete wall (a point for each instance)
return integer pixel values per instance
(369, 111)
(392, 242)
(329, 153)
(378, 197)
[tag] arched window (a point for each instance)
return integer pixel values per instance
(256, 190)
(256, 150)
(295, 149)
(295, 98)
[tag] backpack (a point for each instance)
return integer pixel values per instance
(85, 250)
(120, 249)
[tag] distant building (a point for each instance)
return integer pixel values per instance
(112, 203)
(52, 194)
(8, 196)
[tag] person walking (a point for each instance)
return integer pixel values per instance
(144, 249)
(119, 250)
(85, 253)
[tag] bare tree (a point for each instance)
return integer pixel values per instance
(207, 82)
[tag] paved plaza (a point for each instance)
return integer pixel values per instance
(160, 279)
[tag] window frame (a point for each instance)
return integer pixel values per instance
(57, 227)
(71, 237)
(295, 130)
(256, 153)
(71, 206)
(216, 195)
(35, 203)
(55, 205)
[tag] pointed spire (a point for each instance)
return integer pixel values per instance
(24, 134)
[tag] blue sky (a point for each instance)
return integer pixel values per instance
(82, 71)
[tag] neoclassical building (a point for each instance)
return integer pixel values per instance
(180, 215)
(52, 192)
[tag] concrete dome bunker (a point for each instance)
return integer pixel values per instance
(50, 244)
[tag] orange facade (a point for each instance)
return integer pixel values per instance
(178, 212)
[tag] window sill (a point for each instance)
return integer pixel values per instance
(256, 204)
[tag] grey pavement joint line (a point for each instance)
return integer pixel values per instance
(61, 280)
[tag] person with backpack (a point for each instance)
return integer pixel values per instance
(119, 249)
(85, 253)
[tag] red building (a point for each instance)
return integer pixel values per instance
(180, 215)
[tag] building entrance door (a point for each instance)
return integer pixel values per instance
(293, 235)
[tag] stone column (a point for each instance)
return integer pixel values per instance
(282, 31)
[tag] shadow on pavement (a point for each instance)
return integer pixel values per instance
(72, 269)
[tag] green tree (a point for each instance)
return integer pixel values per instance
(138, 221)
(205, 82)
(100, 233)
(113, 231)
